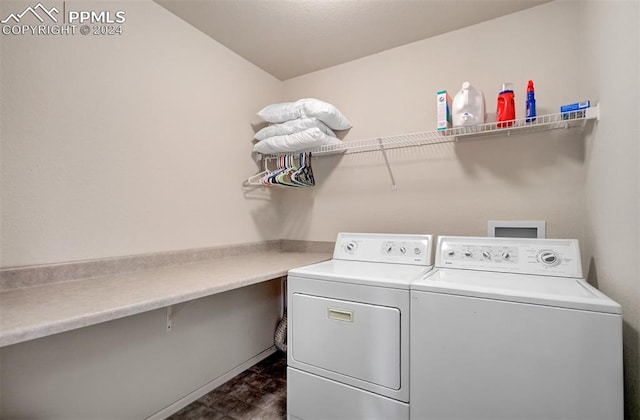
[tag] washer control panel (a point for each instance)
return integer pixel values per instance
(553, 257)
(380, 247)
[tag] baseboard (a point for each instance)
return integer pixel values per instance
(205, 389)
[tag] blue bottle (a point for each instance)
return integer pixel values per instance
(531, 103)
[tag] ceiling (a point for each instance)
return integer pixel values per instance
(289, 38)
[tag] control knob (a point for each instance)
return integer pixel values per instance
(486, 254)
(352, 246)
(389, 248)
(468, 254)
(549, 258)
(403, 250)
(451, 253)
(417, 250)
(506, 255)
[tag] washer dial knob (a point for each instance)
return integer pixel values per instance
(352, 246)
(506, 255)
(486, 254)
(451, 253)
(468, 254)
(549, 258)
(403, 250)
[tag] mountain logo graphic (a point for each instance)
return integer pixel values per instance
(34, 11)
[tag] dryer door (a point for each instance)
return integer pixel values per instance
(353, 339)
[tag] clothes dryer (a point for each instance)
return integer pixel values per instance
(348, 327)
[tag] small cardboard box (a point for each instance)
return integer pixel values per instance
(575, 110)
(444, 110)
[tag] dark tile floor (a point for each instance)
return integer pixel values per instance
(260, 392)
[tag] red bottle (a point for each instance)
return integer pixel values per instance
(506, 111)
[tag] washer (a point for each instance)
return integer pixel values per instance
(507, 328)
(348, 328)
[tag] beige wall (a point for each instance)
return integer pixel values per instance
(455, 188)
(125, 145)
(111, 146)
(612, 183)
(119, 145)
(585, 185)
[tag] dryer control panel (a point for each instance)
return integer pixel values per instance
(382, 247)
(553, 257)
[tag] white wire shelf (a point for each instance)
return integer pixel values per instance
(541, 123)
(428, 138)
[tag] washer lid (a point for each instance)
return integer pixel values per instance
(367, 273)
(559, 292)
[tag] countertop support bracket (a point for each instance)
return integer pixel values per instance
(173, 310)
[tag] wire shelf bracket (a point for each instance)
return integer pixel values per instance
(394, 186)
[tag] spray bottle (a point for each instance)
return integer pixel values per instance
(531, 103)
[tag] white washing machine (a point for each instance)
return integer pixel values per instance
(507, 328)
(348, 328)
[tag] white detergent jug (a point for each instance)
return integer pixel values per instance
(469, 106)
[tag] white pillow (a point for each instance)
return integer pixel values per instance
(309, 108)
(303, 140)
(325, 112)
(293, 126)
(277, 113)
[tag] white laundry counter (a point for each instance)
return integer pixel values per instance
(140, 336)
(38, 311)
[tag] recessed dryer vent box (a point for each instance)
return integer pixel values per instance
(517, 228)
